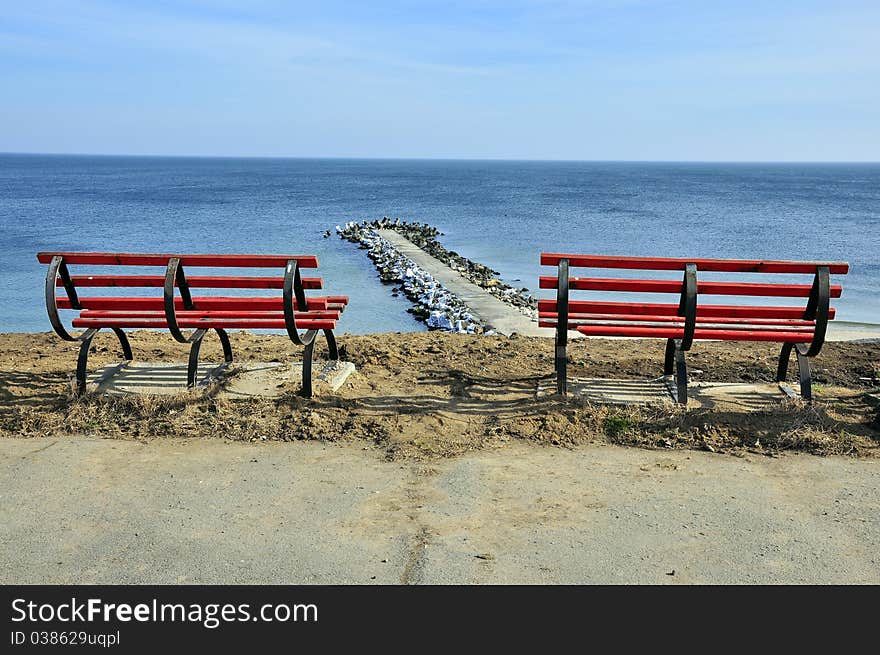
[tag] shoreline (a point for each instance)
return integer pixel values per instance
(852, 331)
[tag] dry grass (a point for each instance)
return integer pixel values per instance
(427, 433)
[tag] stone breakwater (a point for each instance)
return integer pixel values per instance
(424, 236)
(433, 303)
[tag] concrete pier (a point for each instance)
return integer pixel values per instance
(492, 312)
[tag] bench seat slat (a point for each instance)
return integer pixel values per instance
(699, 333)
(678, 264)
(119, 303)
(576, 325)
(552, 317)
(185, 313)
(194, 281)
(781, 329)
(674, 286)
(158, 259)
(236, 323)
(656, 309)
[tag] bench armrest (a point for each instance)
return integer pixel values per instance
(58, 267)
(817, 309)
(174, 276)
(293, 288)
(687, 306)
(562, 303)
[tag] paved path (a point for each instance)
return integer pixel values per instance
(207, 511)
(503, 317)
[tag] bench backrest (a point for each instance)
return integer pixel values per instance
(690, 290)
(178, 285)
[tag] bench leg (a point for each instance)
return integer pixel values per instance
(192, 369)
(561, 364)
(803, 364)
(669, 361)
(83, 359)
(331, 344)
(123, 340)
(308, 354)
(681, 377)
(561, 357)
(674, 363)
(784, 356)
(224, 341)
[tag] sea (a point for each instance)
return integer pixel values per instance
(500, 213)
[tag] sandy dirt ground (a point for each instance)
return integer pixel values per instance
(432, 395)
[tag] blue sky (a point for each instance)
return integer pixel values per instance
(531, 79)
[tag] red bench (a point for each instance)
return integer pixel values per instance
(798, 328)
(179, 309)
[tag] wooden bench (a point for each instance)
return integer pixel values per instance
(177, 309)
(798, 328)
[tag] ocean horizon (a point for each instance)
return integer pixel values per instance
(523, 160)
(501, 213)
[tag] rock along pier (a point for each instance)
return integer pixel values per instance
(448, 291)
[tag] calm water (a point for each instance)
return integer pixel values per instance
(499, 213)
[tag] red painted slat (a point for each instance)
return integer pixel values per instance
(703, 311)
(114, 303)
(616, 327)
(194, 281)
(678, 264)
(256, 324)
(707, 334)
(674, 286)
(187, 314)
(736, 323)
(160, 259)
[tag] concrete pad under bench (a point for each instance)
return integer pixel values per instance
(149, 378)
(612, 392)
(268, 380)
(248, 379)
(740, 396)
